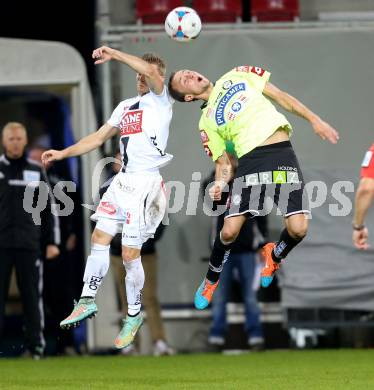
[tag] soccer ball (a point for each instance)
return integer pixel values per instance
(183, 24)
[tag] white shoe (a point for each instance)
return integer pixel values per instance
(216, 340)
(256, 343)
(161, 348)
(130, 350)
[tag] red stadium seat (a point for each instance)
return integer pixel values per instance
(218, 11)
(275, 10)
(155, 11)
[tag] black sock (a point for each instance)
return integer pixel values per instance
(284, 246)
(219, 256)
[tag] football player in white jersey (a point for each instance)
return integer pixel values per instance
(135, 201)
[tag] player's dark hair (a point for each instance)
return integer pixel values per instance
(179, 97)
(155, 59)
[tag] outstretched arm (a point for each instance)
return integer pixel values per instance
(153, 78)
(291, 104)
(363, 200)
(83, 146)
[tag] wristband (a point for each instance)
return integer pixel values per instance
(358, 227)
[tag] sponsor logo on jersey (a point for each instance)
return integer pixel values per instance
(231, 116)
(286, 168)
(107, 208)
(253, 69)
(125, 235)
(227, 84)
(125, 188)
(128, 218)
(208, 151)
(204, 136)
(220, 117)
(131, 123)
(236, 107)
(270, 177)
(243, 98)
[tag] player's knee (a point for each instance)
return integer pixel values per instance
(228, 235)
(99, 237)
(129, 254)
(298, 230)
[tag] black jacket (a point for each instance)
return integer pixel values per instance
(17, 227)
(69, 224)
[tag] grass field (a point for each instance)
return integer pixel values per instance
(324, 369)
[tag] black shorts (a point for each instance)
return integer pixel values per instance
(270, 171)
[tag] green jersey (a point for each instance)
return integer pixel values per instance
(237, 111)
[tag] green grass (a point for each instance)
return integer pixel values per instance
(323, 369)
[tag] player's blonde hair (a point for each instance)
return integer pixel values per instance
(13, 125)
(153, 58)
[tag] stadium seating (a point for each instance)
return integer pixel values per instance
(275, 10)
(218, 11)
(154, 11)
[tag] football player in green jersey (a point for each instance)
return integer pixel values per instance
(238, 108)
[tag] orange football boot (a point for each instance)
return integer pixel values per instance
(270, 266)
(204, 294)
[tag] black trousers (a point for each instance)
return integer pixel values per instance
(29, 274)
(58, 296)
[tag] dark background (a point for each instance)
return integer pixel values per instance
(68, 21)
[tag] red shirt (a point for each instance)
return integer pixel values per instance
(367, 165)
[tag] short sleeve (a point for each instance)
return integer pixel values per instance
(256, 76)
(213, 144)
(367, 165)
(115, 118)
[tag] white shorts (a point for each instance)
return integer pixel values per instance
(133, 204)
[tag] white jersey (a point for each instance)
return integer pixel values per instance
(144, 122)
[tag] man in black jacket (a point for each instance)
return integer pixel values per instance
(23, 240)
(58, 302)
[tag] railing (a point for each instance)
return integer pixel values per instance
(114, 34)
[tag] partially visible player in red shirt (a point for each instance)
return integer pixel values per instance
(363, 201)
